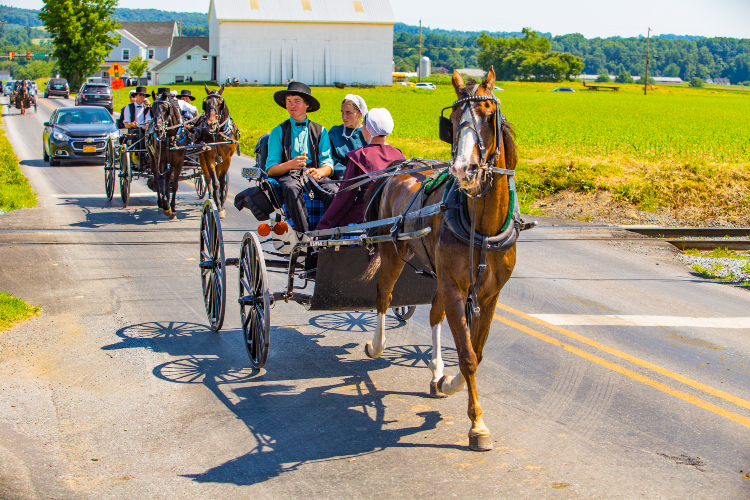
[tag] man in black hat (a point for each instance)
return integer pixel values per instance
(183, 101)
(297, 148)
(137, 114)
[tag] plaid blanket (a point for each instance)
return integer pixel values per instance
(315, 212)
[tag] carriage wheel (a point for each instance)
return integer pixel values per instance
(200, 186)
(255, 300)
(213, 266)
(404, 313)
(109, 170)
(126, 176)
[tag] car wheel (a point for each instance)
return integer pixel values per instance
(44, 153)
(67, 96)
(46, 96)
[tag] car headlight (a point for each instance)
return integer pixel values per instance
(59, 136)
(115, 135)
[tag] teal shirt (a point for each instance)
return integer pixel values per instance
(341, 145)
(299, 145)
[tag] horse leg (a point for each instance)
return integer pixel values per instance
(176, 171)
(479, 435)
(390, 268)
(206, 175)
(437, 313)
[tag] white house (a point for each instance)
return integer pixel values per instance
(150, 40)
(317, 42)
(189, 62)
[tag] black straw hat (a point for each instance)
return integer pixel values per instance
(140, 90)
(162, 90)
(186, 93)
(299, 89)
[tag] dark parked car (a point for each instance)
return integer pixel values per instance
(95, 94)
(57, 87)
(79, 132)
(563, 89)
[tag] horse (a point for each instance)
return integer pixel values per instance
(469, 279)
(22, 96)
(165, 130)
(217, 126)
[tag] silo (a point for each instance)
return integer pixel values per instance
(424, 67)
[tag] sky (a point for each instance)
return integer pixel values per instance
(591, 18)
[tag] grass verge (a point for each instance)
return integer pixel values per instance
(15, 190)
(14, 310)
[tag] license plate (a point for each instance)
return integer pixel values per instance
(89, 149)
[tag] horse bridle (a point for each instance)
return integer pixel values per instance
(218, 108)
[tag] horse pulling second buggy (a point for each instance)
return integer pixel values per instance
(22, 101)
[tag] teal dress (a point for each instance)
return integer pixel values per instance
(341, 145)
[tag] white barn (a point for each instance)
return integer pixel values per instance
(317, 42)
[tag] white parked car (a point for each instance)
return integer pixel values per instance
(425, 85)
(498, 89)
(8, 87)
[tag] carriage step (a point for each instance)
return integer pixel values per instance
(233, 262)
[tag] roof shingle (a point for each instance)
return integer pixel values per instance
(154, 34)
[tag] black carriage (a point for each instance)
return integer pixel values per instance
(15, 101)
(127, 160)
(332, 268)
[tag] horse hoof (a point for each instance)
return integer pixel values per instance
(173, 216)
(222, 213)
(168, 212)
(480, 442)
(435, 392)
(439, 385)
(369, 353)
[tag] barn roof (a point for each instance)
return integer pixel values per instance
(304, 11)
(153, 34)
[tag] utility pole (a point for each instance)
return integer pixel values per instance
(645, 83)
(419, 65)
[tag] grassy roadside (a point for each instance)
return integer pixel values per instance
(14, 310)
(15, 190)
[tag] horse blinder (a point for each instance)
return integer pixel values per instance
(445, 128)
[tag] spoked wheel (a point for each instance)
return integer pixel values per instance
(125, 175)
(213, 266)
(255, 300)
(109, 170)
(200, 186)
(404, 313)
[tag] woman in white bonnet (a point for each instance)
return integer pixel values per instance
(348, 207)
(347, 137)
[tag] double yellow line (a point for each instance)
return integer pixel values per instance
(627, 372)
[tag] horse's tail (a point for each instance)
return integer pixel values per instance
(373, 197)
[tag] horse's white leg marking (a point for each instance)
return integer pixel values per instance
(452, 385)
(375, 348)
(436, 363)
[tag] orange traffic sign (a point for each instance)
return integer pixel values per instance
(116, 70)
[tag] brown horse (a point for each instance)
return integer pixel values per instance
(162, 135)
(22, 96)
(483, 159)
(215, 160)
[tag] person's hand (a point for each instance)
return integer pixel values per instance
(315, 173)
(298, 163)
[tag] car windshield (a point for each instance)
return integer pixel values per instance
(83, 117)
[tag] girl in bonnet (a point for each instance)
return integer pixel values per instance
(348, 207)
(347, 137)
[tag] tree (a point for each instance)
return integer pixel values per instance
(624, 77)
(651, 81)
(603, 78)
(696, 82)
(80, 31)
(137, 66)
(672, 70)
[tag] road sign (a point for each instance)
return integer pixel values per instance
(116, 70)
(118, 84)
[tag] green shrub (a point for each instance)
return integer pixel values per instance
(696, 82)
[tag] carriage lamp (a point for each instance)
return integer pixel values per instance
(264, 230)
(280, 228)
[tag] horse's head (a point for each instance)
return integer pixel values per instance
(475, 131)
(214, 107)
(164, 112)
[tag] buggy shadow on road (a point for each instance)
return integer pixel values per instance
(316, 403)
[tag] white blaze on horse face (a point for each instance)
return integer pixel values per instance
(436, 363)
(466, 150)
(375, 348)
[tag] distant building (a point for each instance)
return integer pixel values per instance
(473, 72)
(424, 67)
(189, 62)
(317, 42)
(722, 81)
(4, 76)
(592, 78)
(674, 80)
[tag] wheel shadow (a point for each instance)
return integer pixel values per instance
(318, 404)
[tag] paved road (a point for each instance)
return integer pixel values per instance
(602, 377)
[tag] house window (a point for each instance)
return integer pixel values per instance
(150, 53)
(126, 54)
(189, 57)
(148, 75)
(179, 79)
(205, 58)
